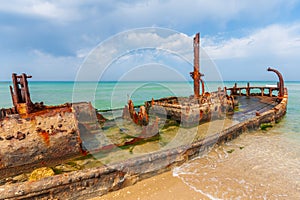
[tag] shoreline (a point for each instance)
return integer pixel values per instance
(163, 186)
(255, 165)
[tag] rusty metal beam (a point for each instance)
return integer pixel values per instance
(15, 91)
(196, 66)
(25, 88)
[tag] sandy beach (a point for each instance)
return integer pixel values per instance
(163, 186)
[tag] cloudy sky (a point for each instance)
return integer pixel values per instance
(52, 40)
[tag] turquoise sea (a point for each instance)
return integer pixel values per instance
(263, 165)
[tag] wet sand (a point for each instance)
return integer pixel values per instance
(163, 186)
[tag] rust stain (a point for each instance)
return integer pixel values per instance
(201, 114)
(1, 163)
(84, 153)
(43, 163)
(49, 111)
(46, 137)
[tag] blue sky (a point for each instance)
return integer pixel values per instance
(51, 39)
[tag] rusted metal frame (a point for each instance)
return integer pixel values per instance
(238, 90)
(270, 92)
(21, 94)
(281, 82)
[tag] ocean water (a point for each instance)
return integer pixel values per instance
(256, 165)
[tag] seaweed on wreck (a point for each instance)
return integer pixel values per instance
(265, 126)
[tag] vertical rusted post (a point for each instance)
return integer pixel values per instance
(25, 89)
(281, 83)
(15, 91)
(248, 89)
(234, 89)
(196, 75)
(196, 66)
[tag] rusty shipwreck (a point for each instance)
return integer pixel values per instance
(34, 135)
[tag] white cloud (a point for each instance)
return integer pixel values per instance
(276, 45)
(60, 11)
(189, 12)
(150, 12)
(141, 47)
(122, 45)
(82, 53)
(274, 40)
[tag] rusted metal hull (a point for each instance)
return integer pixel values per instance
(98, 181)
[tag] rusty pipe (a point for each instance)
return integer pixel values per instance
(203, 86)
(281, 82)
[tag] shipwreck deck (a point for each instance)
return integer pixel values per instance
(251, 106)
